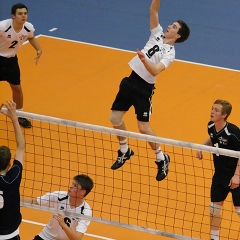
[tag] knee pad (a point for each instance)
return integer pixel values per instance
(238, 212)
(215, 210)
(116, 118)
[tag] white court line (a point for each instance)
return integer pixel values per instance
(53, 29)
(91, 44)
(87, 234)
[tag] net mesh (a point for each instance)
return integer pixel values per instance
(177, 207)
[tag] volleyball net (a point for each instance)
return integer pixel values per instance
(130, 197)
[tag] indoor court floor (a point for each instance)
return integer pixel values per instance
(66, 85)
(86, 49)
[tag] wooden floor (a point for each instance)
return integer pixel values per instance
(78, 81)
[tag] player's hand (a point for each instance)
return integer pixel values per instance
(11, 108)
(60, 219)
(234, 182)
(141, 55)
(39, 53)
(199, 155)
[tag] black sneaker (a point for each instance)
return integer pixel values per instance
(122, 158)
(162, 168)
(24, 122)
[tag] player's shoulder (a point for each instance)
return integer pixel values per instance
(4, 24)
(233, 128)
(210, 124)
(87, 209)
(157, 30)
(29, 27)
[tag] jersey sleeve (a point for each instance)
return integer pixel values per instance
(156, 31)
(30, 29)
(237, 138)
(2, 27)
(48, 200)
(167, 59)
(83, 223)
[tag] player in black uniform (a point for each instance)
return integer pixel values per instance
(227, 171)
(10, 178)
(137, 89)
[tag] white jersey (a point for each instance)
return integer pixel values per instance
(155, 51)
(60, 201)
(10, 41)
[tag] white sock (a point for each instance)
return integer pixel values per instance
(123, 146)
(214, 234)
(159, 155)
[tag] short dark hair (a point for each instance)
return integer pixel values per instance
(184, 31)
(85, 181)
(5, 157)
(226, 107)
(17, 6)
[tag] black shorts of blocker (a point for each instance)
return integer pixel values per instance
(220, 190)
(134, 91)
(9, 70)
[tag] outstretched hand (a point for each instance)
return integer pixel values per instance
(39, 53)
(11, 108)
(60, 219)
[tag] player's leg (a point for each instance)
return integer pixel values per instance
(236, 199)
(17, 96)
(143, 109)
(13, 77)
(124, 153)
(162, 160)
(219, 192)
(119, 107)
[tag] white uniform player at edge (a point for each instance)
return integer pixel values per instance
(137, 89)
(60, 226)
(13, 33)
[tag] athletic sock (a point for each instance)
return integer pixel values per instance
(123, 146)
(214, 234)
(159, 154)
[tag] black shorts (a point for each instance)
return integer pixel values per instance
(220, 190)
(134, 91)
(9, 70)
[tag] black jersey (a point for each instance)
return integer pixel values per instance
(10, 216)
(228, 138)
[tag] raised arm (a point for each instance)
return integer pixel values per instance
(11, 113)
(29, 200)
(153, 69)
(154, 18)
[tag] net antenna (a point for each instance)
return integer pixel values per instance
(130, 197)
